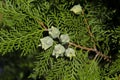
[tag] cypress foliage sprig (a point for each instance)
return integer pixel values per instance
(81, 48)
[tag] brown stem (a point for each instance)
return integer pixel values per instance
(43, 25)
(94, 42)
(89, 30)
(91, 49)
(81, 47)
(86, 22)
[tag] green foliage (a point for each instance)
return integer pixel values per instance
(18, 31)
(63, 69)
(20, 34)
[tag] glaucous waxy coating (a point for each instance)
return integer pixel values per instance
(70, 53)
(54, 32)
(77, 9)
(46, 42)
(58, 50)
(64, 38)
